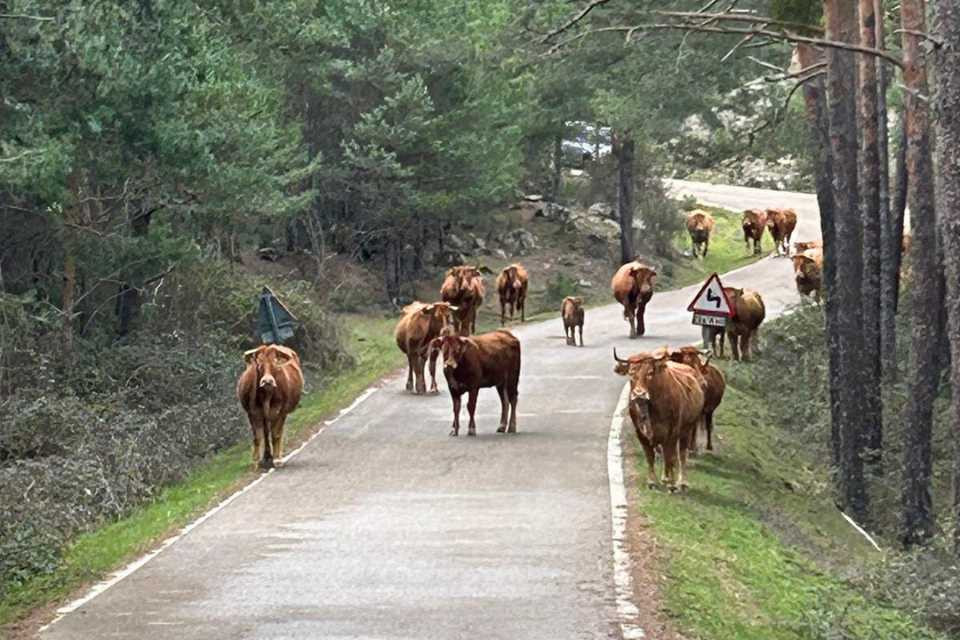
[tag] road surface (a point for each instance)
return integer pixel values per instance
(385, 527)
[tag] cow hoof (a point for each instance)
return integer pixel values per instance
(672, 488)
(512, 430)
(684, 487)
(266, 465)
(453, 433)
(471, 434)
(652, 485)
(501, 429)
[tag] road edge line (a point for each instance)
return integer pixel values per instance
(140, 562)
(627, 612)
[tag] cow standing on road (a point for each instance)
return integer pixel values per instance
(666, 407)
(753, 223)
(571, 310)
(269, 389)
(633, 287)
(488, 360)
(463, 287)
(512, 287)
(699, 225)
(420, 324)
(781, 223)
(742, 328)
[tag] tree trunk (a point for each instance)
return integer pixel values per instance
(623, 149)
(814, 96)
(890, 260)
(926, 299)
(870, 188)
(845, 296)
(557, 181)
(948, 204)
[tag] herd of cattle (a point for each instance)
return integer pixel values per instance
(673, 392)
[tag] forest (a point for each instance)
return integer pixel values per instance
(157, 156)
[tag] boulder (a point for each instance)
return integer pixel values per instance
(518, 241)
(449, 258)
(603, 210)
(454, 242)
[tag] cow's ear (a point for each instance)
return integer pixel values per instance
(248, 356)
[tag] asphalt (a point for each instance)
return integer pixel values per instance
(386, 527)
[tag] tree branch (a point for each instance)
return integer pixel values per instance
(21, 16)
(574, 20)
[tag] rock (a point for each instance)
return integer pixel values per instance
(553, 211)
(586, 284)
(454, 242)
(518, 241)
(535, 197)
(603, 210)
(269, 254)
(478, 243)
(500, 253)
(449, 258)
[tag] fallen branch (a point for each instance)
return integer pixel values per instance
(861, 530)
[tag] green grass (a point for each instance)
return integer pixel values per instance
(92, 555)
(727, 251)
(755, 550)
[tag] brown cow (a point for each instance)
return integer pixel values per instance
(463, 287)
(808, 272)
(753, 223)
(781, 223)
(716, 384)
(512, 287)
(418, 326)
(268, 389)
(699, 225)
(800, 247)
(749, 313)
(488, 360)
(666, 407)
(633, 287)
(571, 310)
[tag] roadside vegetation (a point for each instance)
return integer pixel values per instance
(758, 549)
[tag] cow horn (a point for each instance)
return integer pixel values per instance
(617, 358)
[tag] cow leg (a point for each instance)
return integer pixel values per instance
(420, 363)
(651, 455)
(455, 430)
(503, 312)
(682, 466)
(706, 247)
(512, 395)
(410, 357)
(433, 370)
(257, 449)
(734, 347)
(277, 439)
(745, 346)
(472, 409)
(504, 408)
(581, 335)
(523, 309)
(633, 323)
(708, 426)
(670, 463)
(641, 328)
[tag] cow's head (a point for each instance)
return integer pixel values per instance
(451, 349)
(267, 359)
(439, 313)
(644, 276)
(642, 375)
(692, 357)
(754, 218)
(624, 366)
(576, 301)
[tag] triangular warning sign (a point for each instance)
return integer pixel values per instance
(711, 300)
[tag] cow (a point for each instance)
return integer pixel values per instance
(781, 223)
(800, 247)
(713, 339)
(632, 286)
(749, 313)
(463, 287)
(808, 272)
(716, 384)
(512, 287)
(419, 325)
(622, 366)
(699, 225)
(474, 363)
(268, 389)
(666, 407)
(753, 223)
(571, 310)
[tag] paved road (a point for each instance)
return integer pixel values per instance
(385, 527)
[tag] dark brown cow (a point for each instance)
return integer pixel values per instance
(418, 326)
(753, 223)
(571, 310)
(512, 287)
(463, 287)
(800, 247)
(716, 385)
(699, 225)
(633, 287)
(808, 272)
(781, 223)
(666, 407)
(749, 312)
(269, 389)
(488, 360)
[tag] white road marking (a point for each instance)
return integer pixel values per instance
(131, 568)
(627, 612)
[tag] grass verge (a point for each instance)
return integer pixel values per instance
(92, 555)
(726, 251)
(752, 551)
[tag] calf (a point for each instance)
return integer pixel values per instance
(571, 310)
(512, 287)
(268, 389)
(463, 287)
(800, 247)
(753, 223)
(699, 225)
(749, 312)
(715, 386)
(632, 287)
(808, 272)
(666, 407)
(488, 360)
(781, 223)
(420, 324)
